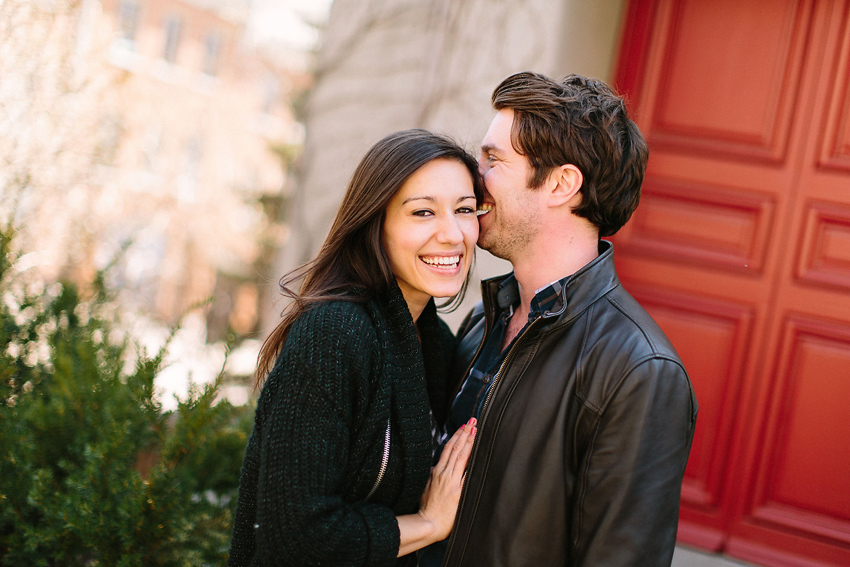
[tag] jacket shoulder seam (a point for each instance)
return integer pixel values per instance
(619, 307)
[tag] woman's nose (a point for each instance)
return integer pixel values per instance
(449, 231)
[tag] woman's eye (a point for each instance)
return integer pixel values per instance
(421, 213)
(466, 211)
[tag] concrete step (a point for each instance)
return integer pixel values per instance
(686, 557)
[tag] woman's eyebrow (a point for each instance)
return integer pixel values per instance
(419, 198)
(431, 199)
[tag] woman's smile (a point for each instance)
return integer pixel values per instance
(446, 263)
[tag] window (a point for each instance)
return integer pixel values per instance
(172, 38)
(212, 48)
(187, 180)
(128, 21)
(271, 93)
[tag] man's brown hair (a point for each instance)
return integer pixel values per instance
(578, 121)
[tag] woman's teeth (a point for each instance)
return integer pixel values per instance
(442, 261)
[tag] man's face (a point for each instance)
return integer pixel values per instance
(509, 215)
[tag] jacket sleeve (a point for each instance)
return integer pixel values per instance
(630, 480)
(301, 517)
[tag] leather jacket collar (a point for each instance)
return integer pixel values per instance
(591, 282)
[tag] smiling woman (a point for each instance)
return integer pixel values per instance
(430, 232)
(342, 447)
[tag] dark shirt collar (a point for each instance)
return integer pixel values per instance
(548, 300)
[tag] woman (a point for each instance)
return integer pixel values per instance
(342, 443)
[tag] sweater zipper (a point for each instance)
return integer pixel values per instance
(484, 409)
(385, 460)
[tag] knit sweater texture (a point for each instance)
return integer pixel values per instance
(346, 372)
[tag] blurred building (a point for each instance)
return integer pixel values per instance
(153, 125)
(740, 247)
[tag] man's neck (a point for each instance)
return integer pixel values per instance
(545, 265)
(535, 272)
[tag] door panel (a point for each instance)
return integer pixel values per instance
(824, 256)
(740, 249)
(744, 104)
(814, 384)
(711, 225)
(799, 500)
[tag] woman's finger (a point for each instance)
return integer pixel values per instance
(448, 448)
(463, 442)
(465, 451)
(453, 444)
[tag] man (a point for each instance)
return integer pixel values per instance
(586, 414)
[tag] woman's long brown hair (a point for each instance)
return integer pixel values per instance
(352, 264)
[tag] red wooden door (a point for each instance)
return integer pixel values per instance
(740, 249)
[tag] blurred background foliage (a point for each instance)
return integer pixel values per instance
(93, 470)
(144, 150)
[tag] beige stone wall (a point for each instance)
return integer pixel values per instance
(387, 65)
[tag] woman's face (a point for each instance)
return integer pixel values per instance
(430, 230)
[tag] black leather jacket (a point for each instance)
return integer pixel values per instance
(582, 446)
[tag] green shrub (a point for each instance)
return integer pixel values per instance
(92, 470)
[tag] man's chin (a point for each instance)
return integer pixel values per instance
(491, 248)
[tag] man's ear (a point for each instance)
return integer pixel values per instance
(564, 184)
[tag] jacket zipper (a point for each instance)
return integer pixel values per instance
(498, 375)
(385, 460)
(484, 409)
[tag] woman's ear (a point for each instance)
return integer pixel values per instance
(564, 186)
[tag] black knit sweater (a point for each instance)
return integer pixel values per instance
(345, 369)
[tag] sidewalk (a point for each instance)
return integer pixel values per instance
(686, 557)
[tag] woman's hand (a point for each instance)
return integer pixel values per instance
(436, 515)
(442, 495)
